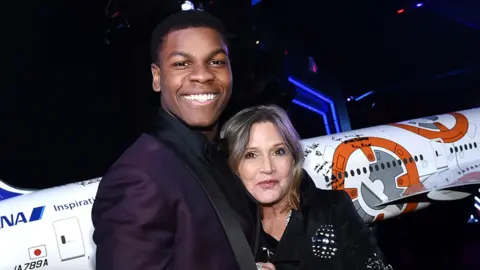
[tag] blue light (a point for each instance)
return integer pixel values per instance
(324, 116)
(320, 96)
(254, 2)
(419, 4)
(364, 95)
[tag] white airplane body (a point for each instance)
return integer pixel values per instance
(50, 228)
(387, 170)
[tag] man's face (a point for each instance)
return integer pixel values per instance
(194, 75)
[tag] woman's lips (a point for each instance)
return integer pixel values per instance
(267, 184)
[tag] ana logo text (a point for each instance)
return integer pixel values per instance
(20, 217)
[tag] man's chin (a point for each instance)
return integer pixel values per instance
(202, 125)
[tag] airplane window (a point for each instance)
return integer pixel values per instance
(416, 159)
(451, 150)
(352, 173)
(421, 157)
(358, 171)
(410, 159)
(371, 169)
(405, 161)
(470, 145)
(456, 149)
(399, 162)
(382, 165)
(346, 174)
(326, 179)
(436, 153)
(376, 167)
(394, 164)
(388, 164)
(364, 170)
(461, 148)
(475, 144)
(466, 147)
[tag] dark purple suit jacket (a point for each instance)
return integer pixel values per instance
(150, 213)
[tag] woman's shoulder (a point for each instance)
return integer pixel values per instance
(322, 197)
(328, 199)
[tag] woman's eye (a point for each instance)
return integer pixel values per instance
(249, 155)
(280, 151)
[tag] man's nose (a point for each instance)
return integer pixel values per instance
(201, 74)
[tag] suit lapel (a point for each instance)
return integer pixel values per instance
(199, 170)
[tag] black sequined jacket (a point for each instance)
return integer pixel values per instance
(325, 233)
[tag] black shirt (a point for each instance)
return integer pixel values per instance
(326, 232)
(213, 155)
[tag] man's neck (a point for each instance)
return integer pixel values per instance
(210, 134)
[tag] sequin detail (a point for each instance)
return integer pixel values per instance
(289, 215)
(324, 242)
(377, 264)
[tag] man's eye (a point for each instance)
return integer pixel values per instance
(180, 64)
(217, 62)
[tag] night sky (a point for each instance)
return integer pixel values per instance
(59, 102)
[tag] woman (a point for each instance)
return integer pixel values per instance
(304, 227)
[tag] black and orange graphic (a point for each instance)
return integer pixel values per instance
(410, 180)
(447, 135)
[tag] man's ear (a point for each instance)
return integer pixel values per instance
(155, 78)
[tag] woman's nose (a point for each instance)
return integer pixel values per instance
(267, 167)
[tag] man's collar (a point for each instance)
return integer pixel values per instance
(195, 140)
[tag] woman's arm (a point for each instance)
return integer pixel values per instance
(361, 250)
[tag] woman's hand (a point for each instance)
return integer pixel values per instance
(265, 266)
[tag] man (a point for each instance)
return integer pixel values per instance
(170, 202)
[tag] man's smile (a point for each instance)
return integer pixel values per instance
(200, 99)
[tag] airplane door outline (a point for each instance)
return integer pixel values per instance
(439, 153)
(69, 239)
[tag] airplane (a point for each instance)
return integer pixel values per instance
(387, 170)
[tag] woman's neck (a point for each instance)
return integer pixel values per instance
(275, 211)
(274, 219)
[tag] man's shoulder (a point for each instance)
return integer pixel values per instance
(145, 152)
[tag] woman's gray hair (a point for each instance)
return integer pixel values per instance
(236, 132)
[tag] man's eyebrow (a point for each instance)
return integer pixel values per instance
(187, 55)
(177, 53)
(217, 51)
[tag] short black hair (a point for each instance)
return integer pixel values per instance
(183, 20)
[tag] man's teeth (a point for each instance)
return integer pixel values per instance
(201, 97)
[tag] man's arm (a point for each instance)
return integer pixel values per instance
(134, 222)
(361, 250)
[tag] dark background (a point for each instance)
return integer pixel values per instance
(75, 88)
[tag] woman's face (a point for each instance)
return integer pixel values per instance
(266, 167)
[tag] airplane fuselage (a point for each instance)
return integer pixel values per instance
(54, 232)
(376, 166)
